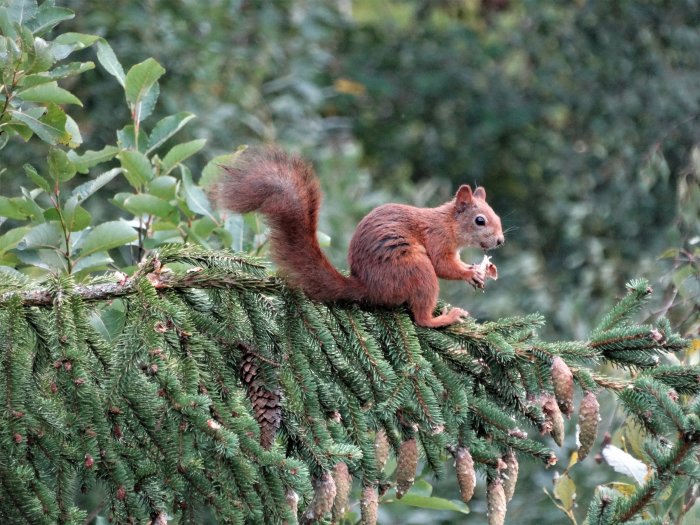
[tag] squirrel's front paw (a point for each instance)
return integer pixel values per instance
(477, 276)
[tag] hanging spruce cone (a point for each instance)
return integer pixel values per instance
(267, 404)
(555, 421)
(510, 474)
(406, 465)
(588, 417)
(496, 502)
(293, 502)
(324, 495)
(466, 475)
(343, 485)
(381, 448)
(563, 381)
(369, 505)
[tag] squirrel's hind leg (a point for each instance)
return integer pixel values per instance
(423, 301)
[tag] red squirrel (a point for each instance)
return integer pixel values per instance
(396, 255)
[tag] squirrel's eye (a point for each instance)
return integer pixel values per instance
(480, 220)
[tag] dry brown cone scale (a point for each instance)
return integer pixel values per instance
(267, 404)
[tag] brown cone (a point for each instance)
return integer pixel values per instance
(324, 495)
(381, 448)
(510, 474)
(369, 504)
(406, 465)
(343, 485)
(496, 502)
(267, 404)
(563, 381)
(466, 476)
(588, 417)
(555, 421)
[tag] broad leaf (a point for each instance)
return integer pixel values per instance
(60, 166)
(109, 61)
(91, 158)
(430, 502)
(140, 78)
(106, 236)
(77, 40)
(166, 128)
(179, 153)
(137, 168)
(46, 235)
(37, 179)
(10, 239)
(86, 189)
(215, 167)
(195, 197)
(145, 204)
(50, 128)
(49, 92)
(48, 17)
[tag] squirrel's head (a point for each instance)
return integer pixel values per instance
(479, 226)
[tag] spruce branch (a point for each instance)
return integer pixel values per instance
(210, 383)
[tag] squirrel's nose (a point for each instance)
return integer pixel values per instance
(500, 240)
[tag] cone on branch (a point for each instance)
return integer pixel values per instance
(267, 404)
(496, 502)
(510, 474)
(563, 381)
(555, 421)
(324, 495)
(406, 465)
(381, 448)
(588, 418)
(369, 505)
(466, 475)
(343, 485)
(292, 499)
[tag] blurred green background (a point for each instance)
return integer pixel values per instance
(581, 119)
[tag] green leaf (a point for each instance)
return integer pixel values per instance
(91, 158)
(11, 238)
(141, 78)
(46, 235)
(50, 128)
(48, 17)
(94, 262)
(430, 502)
(195, 197)
(214, 168)
(137, 168)
(21, 11)
(109, 61)
(163, 187)
(106, 236)
(77, 40)
(179, 153)
(37, 179)
(49, 92)
(65, 71)
(60, 166)
(86, 189)
(145, 204)
(44, 56)
(10, 209)
(144, 107)
(77, 218)
(127, 140)
(166, 128)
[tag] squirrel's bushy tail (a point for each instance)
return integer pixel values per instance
(286, 191)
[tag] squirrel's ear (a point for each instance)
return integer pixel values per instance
(464, 197)
(480, 193)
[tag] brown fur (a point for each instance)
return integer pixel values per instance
(396, 255)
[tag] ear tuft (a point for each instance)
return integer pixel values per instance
(480, 193)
